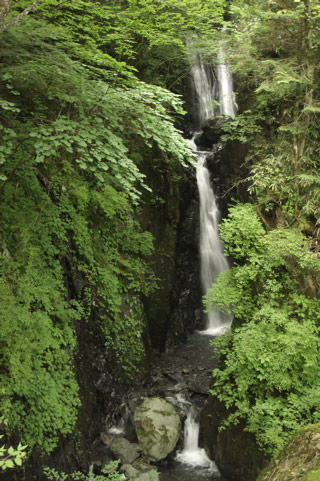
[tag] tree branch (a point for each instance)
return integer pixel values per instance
(21, 15)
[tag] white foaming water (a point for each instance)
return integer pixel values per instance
(191, 453)
(91, 475)
(212, 259)
(203, 86)
(204, 91)
(118, 428)
(217, 331)
(115, 430)
(228, 105)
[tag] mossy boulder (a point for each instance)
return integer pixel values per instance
(158, 428)
(299, 460)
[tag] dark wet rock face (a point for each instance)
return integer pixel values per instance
(186, 313)
(212, 130)
(235, 451)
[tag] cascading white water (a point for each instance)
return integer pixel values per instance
(191, 453)
(91, 475)
(203, 87)
(118, 428)
(213, 261)
(227, 102)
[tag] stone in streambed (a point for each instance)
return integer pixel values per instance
(106, 438)
(121, 448)
(140, 472)
(158, 428)
(148, 476)
(129, 471)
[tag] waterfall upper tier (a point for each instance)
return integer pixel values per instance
(227, 101)
(212, 87)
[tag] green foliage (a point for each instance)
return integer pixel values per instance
(109, 472)
(117, 39)
(273, 50)
(11, 457)
(38, 388)
(269, 372)
(270, 377)
(76, 125)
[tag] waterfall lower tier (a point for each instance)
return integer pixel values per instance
(212, 258)
(213, 261)
(191, 453)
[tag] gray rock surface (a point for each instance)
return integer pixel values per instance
(121, 448)
(129, 471)
(158, 428)
(148, 476)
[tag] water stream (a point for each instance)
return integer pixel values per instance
(212, 258)
(191, 453)
(213, 261)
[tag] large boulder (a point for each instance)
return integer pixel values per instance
(158, 428)
(299, 460)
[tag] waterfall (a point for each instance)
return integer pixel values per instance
(91, 475)
(227, 102)
(205, 96)
(191, 453)
(212, 259)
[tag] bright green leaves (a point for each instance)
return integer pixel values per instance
(73, 253)
(270, 376)
(272, 51)
(273, 379)
(39, 394)
(109, 472)
(268, 266)
(169, 22)
(9, 456)
(91, 122)
(242, 231)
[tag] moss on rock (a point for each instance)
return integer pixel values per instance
(158, 428)
(299, 460)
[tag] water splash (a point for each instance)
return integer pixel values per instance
(191, 453)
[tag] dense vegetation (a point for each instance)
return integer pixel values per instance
(88, 98)
(269, 377)
(79, 122)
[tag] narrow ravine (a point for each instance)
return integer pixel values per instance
(182, 376)
(209, 87)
